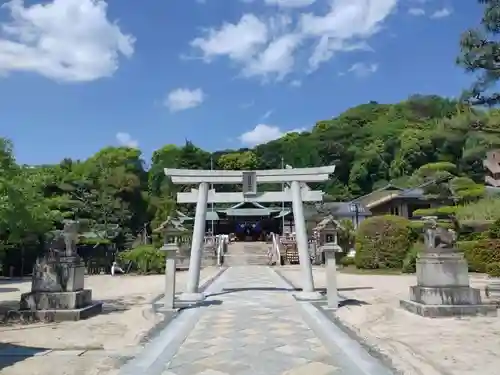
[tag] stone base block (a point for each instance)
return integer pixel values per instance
(308, 296)
(55, 315)
(454, 295)
(56, 300)
(191, 297)
(445, 311)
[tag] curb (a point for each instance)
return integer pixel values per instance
(168, 317)
(163, 346)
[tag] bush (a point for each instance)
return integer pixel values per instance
(145, 259)
(482, 210)
(410, 261)
(382, 242)
(347, 261)
(493, 269)
(480, 254)
(494, 231)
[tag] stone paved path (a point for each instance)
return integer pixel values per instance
(256, 330)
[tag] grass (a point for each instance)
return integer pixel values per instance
(379, 271)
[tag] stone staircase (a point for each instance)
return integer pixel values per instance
(247, 253)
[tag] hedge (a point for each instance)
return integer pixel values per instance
(493, 269)
(480, 254)
(382, 242)
(438, 211)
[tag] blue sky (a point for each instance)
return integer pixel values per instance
(78, 75)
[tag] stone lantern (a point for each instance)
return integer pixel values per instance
(328, 238)
(172, 231)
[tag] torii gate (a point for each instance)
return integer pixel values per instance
(297, 193)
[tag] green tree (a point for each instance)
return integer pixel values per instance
(480, 55)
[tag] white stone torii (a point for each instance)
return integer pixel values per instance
(297, 193)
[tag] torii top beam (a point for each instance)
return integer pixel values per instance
(196, 176)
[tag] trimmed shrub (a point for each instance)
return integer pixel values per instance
(346, 261)
(410, 261)
(438, 211)
(493, 269)
(382, 242)
(145, 259)
(483, 210)
(480, 254)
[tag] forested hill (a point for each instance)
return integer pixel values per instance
(370, 144)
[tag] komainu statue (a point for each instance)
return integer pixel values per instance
(437, 238)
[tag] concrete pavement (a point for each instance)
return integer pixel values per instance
(251, 325)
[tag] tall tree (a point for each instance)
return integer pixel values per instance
(480, 54)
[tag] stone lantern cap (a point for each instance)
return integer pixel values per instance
(327, 229)
(171, 226)
(171, 229)
(328, 224)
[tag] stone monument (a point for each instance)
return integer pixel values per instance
(57, 288)
(443, 287)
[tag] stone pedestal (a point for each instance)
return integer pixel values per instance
(492, 290)
(170, 268)
(57, 292)
(443, 288)
(331, 275)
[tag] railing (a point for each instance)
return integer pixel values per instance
(275, 249)
(221, 249)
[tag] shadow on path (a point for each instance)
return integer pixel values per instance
(11, 354)
(261, 289)
(181, 305)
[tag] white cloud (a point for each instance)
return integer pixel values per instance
(264, 133)
(182, 98)
(416, 11)
(277, 59)
(266, 115)
(441, 13)
(345, 27)
(64, 40)
(237, 41)
(290, 3)
(363, 69)
(125, 139)
(296, 83)
(267, 47)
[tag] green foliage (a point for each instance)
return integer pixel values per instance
(480, 54)
(145, 259)
(482, 210)
(382, 242)
(494, 231)
(346, 235)
(481, 253)
(347, 261)
(437, 211)
(410, 260)
(493, 269)
(406, 143)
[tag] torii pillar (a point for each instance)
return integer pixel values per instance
(297, 194)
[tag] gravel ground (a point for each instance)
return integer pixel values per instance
(94, 346)
(415, 345)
